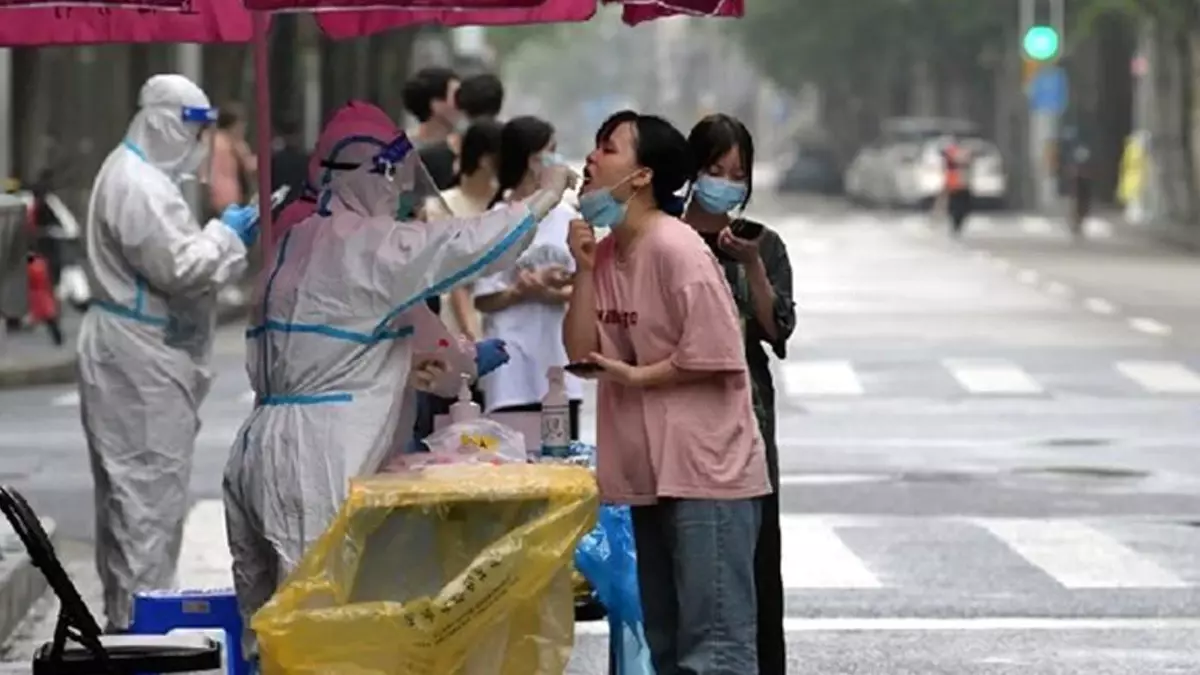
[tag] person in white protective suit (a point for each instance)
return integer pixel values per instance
(145, 343)
(330, 352)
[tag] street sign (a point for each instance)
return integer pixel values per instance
(1048, 91)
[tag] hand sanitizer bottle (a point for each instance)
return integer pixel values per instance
(556, 416)
(464, 409)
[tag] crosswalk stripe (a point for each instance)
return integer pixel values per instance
(1078, 556)
(1073, 553)
(67, 400)
(204, 560)
(992, 377)
(820, 378)
(1163, 377)
(815, 557)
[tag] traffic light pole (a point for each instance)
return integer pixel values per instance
(1044, 123)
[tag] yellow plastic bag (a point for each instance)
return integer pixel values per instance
(452, 570)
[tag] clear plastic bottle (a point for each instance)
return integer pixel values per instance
(556, 416)
(464, 409)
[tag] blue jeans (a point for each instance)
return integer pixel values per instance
(696, 572)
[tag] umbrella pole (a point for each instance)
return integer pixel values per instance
(262, 106)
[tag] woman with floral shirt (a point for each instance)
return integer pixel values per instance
(756, 264)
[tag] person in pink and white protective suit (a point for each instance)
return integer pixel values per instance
(331, 349)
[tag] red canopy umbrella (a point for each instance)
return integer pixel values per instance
(639, 11)
(30, 23)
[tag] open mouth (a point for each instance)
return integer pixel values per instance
(587, 178)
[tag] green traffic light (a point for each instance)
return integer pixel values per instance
(1041, 43)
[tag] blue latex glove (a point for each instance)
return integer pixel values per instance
(243, 220)
(489, 355)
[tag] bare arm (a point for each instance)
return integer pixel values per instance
(464, 314)
(580, 335)
(762, 296)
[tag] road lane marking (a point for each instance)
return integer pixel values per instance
(820, 378)
(991, 377)
(1059, 289)
(1036, 225)
(794, 624)
(1098, 228)
(204, 559)
(1149, 326)
(1161, 377)
(1078, 556)
(816, 557)
(1100, 306)
(68, 400)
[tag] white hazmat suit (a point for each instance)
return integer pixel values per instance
(330, 354)
(145, 344)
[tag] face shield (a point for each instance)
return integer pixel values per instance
(400, 164)
(197, 166)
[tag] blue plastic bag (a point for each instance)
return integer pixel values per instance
(607, 558)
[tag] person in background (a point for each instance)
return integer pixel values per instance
(759, 273)
(477, 183)
(479, 97)
(145, 343)
(677, 437)
(289, 161)
(430, 97)
(524, 306)
(233, 165)
(957, 190)
(1081, 189)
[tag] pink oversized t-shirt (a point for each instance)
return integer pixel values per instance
(668, 299)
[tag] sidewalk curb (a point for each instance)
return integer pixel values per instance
(62, 371)
(21, 584)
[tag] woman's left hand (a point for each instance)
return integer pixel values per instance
(744, 251)
(616, 371)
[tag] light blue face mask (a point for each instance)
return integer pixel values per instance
(718, 195)
(550, 159)
(601, 209)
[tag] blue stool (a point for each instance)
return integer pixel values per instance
(214, 612)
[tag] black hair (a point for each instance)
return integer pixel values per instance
(520, 139)
(480, 95)
(229, 115)
(660, 147)
(481, 139)
(713, 137)
(428, 85)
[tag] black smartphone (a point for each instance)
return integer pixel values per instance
(583, 368)
(746, 229)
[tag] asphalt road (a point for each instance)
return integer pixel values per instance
(989, 450)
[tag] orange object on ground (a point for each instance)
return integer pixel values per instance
(43, 306)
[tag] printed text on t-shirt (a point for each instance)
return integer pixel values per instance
(617, 317)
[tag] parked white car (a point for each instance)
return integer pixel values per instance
(920, 172)
(904, 168)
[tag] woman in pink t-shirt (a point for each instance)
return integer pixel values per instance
(676, 432)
